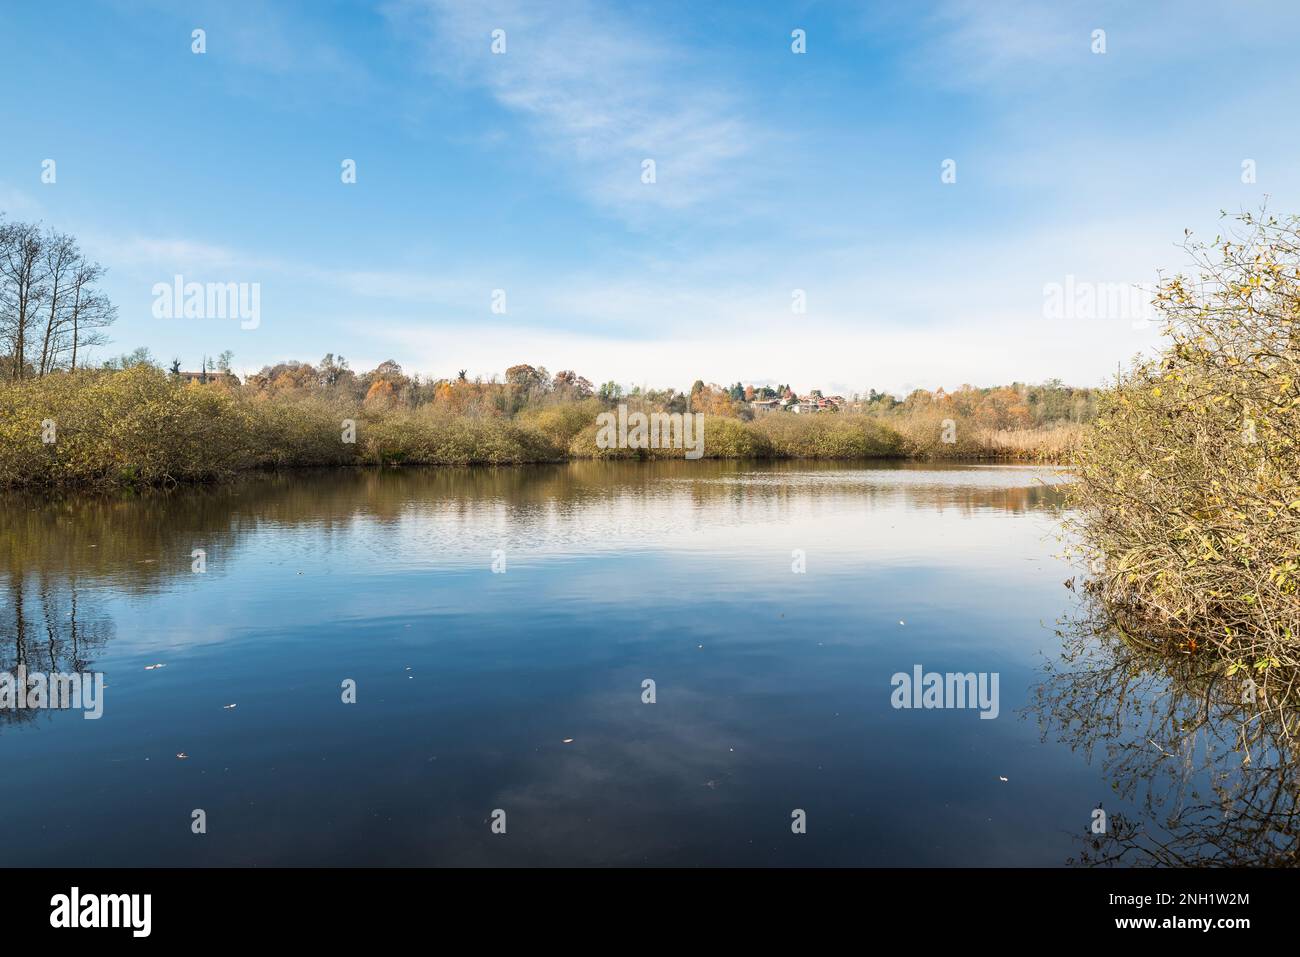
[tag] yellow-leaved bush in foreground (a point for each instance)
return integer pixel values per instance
(1188, 492)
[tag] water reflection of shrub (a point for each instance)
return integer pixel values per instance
(1214, 777)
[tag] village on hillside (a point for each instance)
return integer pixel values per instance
(785, 400)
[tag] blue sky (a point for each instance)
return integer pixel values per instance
(523, 171)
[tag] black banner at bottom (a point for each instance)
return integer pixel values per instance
(333, 906)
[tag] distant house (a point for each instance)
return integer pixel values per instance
(790, 402)
(201, 377)
(814, 402)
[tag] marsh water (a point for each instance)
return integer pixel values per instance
(500, 627)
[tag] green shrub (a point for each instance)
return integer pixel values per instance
(828, 436)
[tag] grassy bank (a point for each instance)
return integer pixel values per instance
(139, 426)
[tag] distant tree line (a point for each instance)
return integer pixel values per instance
(524, 386)
(1015, 406)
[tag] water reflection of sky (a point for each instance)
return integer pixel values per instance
(773, 687)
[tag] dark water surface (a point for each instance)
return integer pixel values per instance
(772, 688)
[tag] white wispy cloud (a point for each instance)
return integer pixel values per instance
(161, 253)
(979, 43)
(600, 93)
(1030, 48)
(257, 40)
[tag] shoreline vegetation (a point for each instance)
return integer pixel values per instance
(1186, 502)
(133, 424)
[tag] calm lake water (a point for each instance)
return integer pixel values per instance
(772, 687)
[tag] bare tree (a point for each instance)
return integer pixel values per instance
(89, 311)
(22, 289)
(59, 259)
(50, 306)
